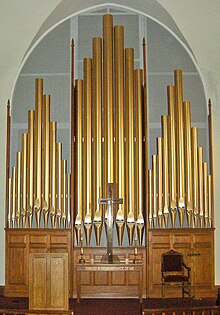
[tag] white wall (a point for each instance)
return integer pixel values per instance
(198, 21)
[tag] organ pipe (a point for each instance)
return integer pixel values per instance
(109, 145)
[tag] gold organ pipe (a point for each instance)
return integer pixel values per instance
(7, 184)
(38, 148)
(24, 178)
(180, 145)
(13, 196)
(97, 103)
(68, 200)
(195, 175)
(108, 99)
(165, 170)
(30, 166)
(211, 163)
(154, 189)
(119, 107)
(210, 200)
(53, 136)
(63, 193)
(9, 218)
(18, 189)
(71, 178)
(160, 183)
(58, 186)
(88, 147)
(205, 196)
(139, 154)
(188, 164)
(145, 122)
(172, 153)
(201, 190)
(46, 158)
(150, 205)
(130, 196)
(79, 168)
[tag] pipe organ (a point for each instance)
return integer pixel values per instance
(109, 131)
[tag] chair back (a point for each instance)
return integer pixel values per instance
(172, 261)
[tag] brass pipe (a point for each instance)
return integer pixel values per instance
(71, 178)
(188, 162)
(63, 193)
(46, 159)
(97, 103)
(38, 149)
(24, 179)
(145, 139)
(160, 182)
(10, 210)
(154, 189)
(13, 216)
(150, 203)
(7, 180)
(205, 196)
(79, 168)
(53, 136)
(139, 154)
(211, 163)
(172, 153)
(69, 216)
(119, 108)
(87, 88)
(201, 190)
(165, 168)
(180, 145)
(210, 210)
(30, 167)
(108, 100)
(195, 175)
(59, 180)
(18, 189)
(130, 196)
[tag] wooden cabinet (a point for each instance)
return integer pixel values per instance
(197, 246)
(48, 282)
(22, 242)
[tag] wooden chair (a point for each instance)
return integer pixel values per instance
(175, 271)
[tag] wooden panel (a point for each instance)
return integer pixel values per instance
(101, 278)
(118, 278)
(48, 283)
(58, 285)
(196, 245)
(17, 265)
(38, 282)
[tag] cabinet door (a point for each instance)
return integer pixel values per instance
(48, 282)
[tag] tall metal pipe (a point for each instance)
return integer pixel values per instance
(139, 153)
(97, 134)
(165, 162)
(38, 149)
(108, 100)
(154, 189)
(188, 162)
(30, 167)
(46, 158)
(172, 153)
(24, 179)
(79, 168)
(195, 175)
(119, 112)
(8, 155)
(180, 145)
(160, 182)
(87, 89)
(211, 163)
(201, 189)
(53, 188)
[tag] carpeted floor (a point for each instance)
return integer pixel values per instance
(113, 306)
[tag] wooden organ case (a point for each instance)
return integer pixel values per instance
(169, 206)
